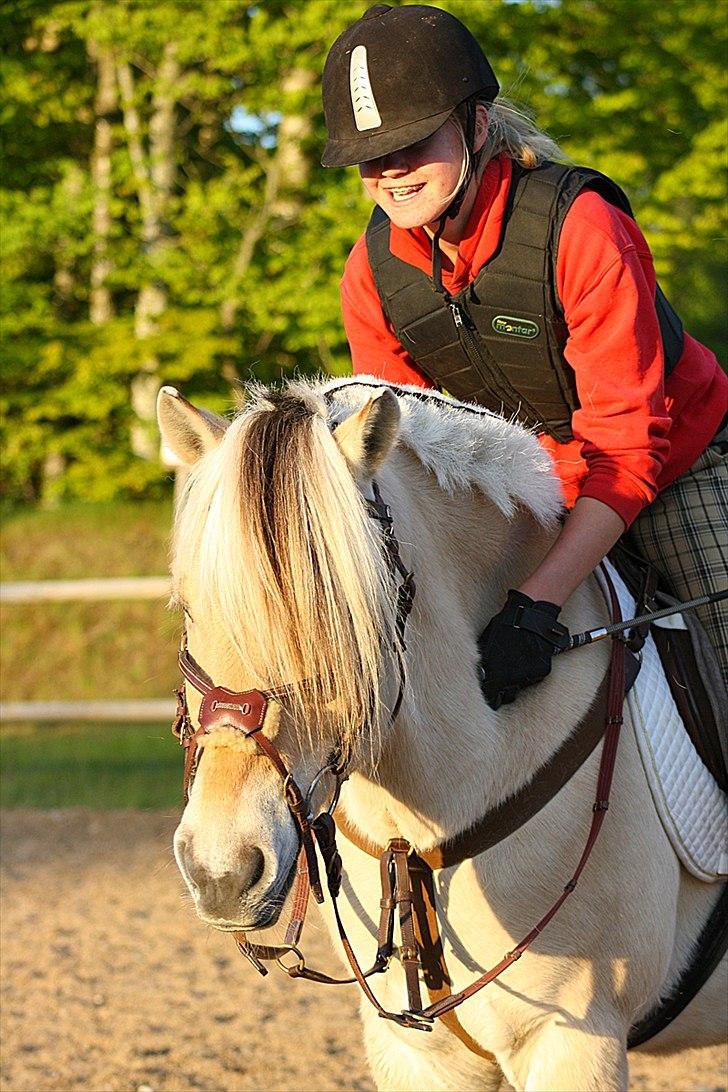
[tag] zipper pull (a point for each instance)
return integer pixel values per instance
(456, 314)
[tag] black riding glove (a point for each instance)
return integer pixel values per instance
(517, 645)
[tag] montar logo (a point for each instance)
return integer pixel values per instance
(515, 327)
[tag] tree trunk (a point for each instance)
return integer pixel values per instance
(101, 307)
(286, 176)
(65, 275)
(155, 182)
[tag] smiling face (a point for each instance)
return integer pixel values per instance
(415, 185)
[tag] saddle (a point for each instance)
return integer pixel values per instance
(685, 764)
(688, 660)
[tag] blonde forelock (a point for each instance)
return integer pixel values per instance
(289, 562)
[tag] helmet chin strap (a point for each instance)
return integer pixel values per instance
(457, 196)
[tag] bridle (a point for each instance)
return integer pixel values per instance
(406, 876)
(246, 712)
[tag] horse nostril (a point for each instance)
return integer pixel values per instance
(254, 862)
(221, 895)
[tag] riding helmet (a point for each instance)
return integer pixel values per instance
(394, 77)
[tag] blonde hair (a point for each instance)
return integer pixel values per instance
(287, 560)
(512, 131)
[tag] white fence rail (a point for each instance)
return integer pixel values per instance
(57, 591)
(126, 711)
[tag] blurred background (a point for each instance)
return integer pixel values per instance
(166, 220)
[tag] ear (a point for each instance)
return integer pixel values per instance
(366, 438)
(187, 431)
(482, 123)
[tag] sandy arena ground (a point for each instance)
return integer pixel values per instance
(110, 983)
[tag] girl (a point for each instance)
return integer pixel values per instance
(491, 270)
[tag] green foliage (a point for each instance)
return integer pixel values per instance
(252, 234)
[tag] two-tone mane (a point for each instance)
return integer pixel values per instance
(289, 562)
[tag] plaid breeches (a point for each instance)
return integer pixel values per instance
(684, 535)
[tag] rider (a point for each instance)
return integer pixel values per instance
(492, 270)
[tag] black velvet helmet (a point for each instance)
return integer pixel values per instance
(394, 77)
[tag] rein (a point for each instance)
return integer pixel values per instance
(406, 876)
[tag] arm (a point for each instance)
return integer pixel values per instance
(517, 645)
(589, 532)
(606, 284)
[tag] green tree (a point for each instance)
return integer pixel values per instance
(166, 218)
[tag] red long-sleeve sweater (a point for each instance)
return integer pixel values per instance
(634, 431)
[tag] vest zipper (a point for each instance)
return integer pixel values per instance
(476, 357)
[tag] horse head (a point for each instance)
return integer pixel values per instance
(284, 586)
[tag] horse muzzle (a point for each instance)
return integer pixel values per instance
(246, 889)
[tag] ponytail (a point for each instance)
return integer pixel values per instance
(511, 131)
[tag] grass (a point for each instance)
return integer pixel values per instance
(81, 540)
(86, 651)
(107, 767)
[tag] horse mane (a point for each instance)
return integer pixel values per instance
(289, 564)
(287, 560)
(465, 446)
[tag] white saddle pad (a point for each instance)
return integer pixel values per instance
(692, 807)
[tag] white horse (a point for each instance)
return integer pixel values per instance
(282, 578)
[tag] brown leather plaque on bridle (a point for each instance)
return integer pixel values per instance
(222, 708)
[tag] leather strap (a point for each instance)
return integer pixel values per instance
(408, 953)
(380, 510)
(601, 804)
(501, 821)
(432, 957)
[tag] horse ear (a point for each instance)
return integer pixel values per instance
(188, 432)
(366, 438)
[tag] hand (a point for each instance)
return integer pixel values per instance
(517, 645)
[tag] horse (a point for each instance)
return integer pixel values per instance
(289, 590)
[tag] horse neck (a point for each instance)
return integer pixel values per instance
(449, 757)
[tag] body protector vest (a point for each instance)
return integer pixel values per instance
(500, 341)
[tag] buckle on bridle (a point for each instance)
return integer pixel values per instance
(414, 1020)
(245, 950)
(181, 723)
